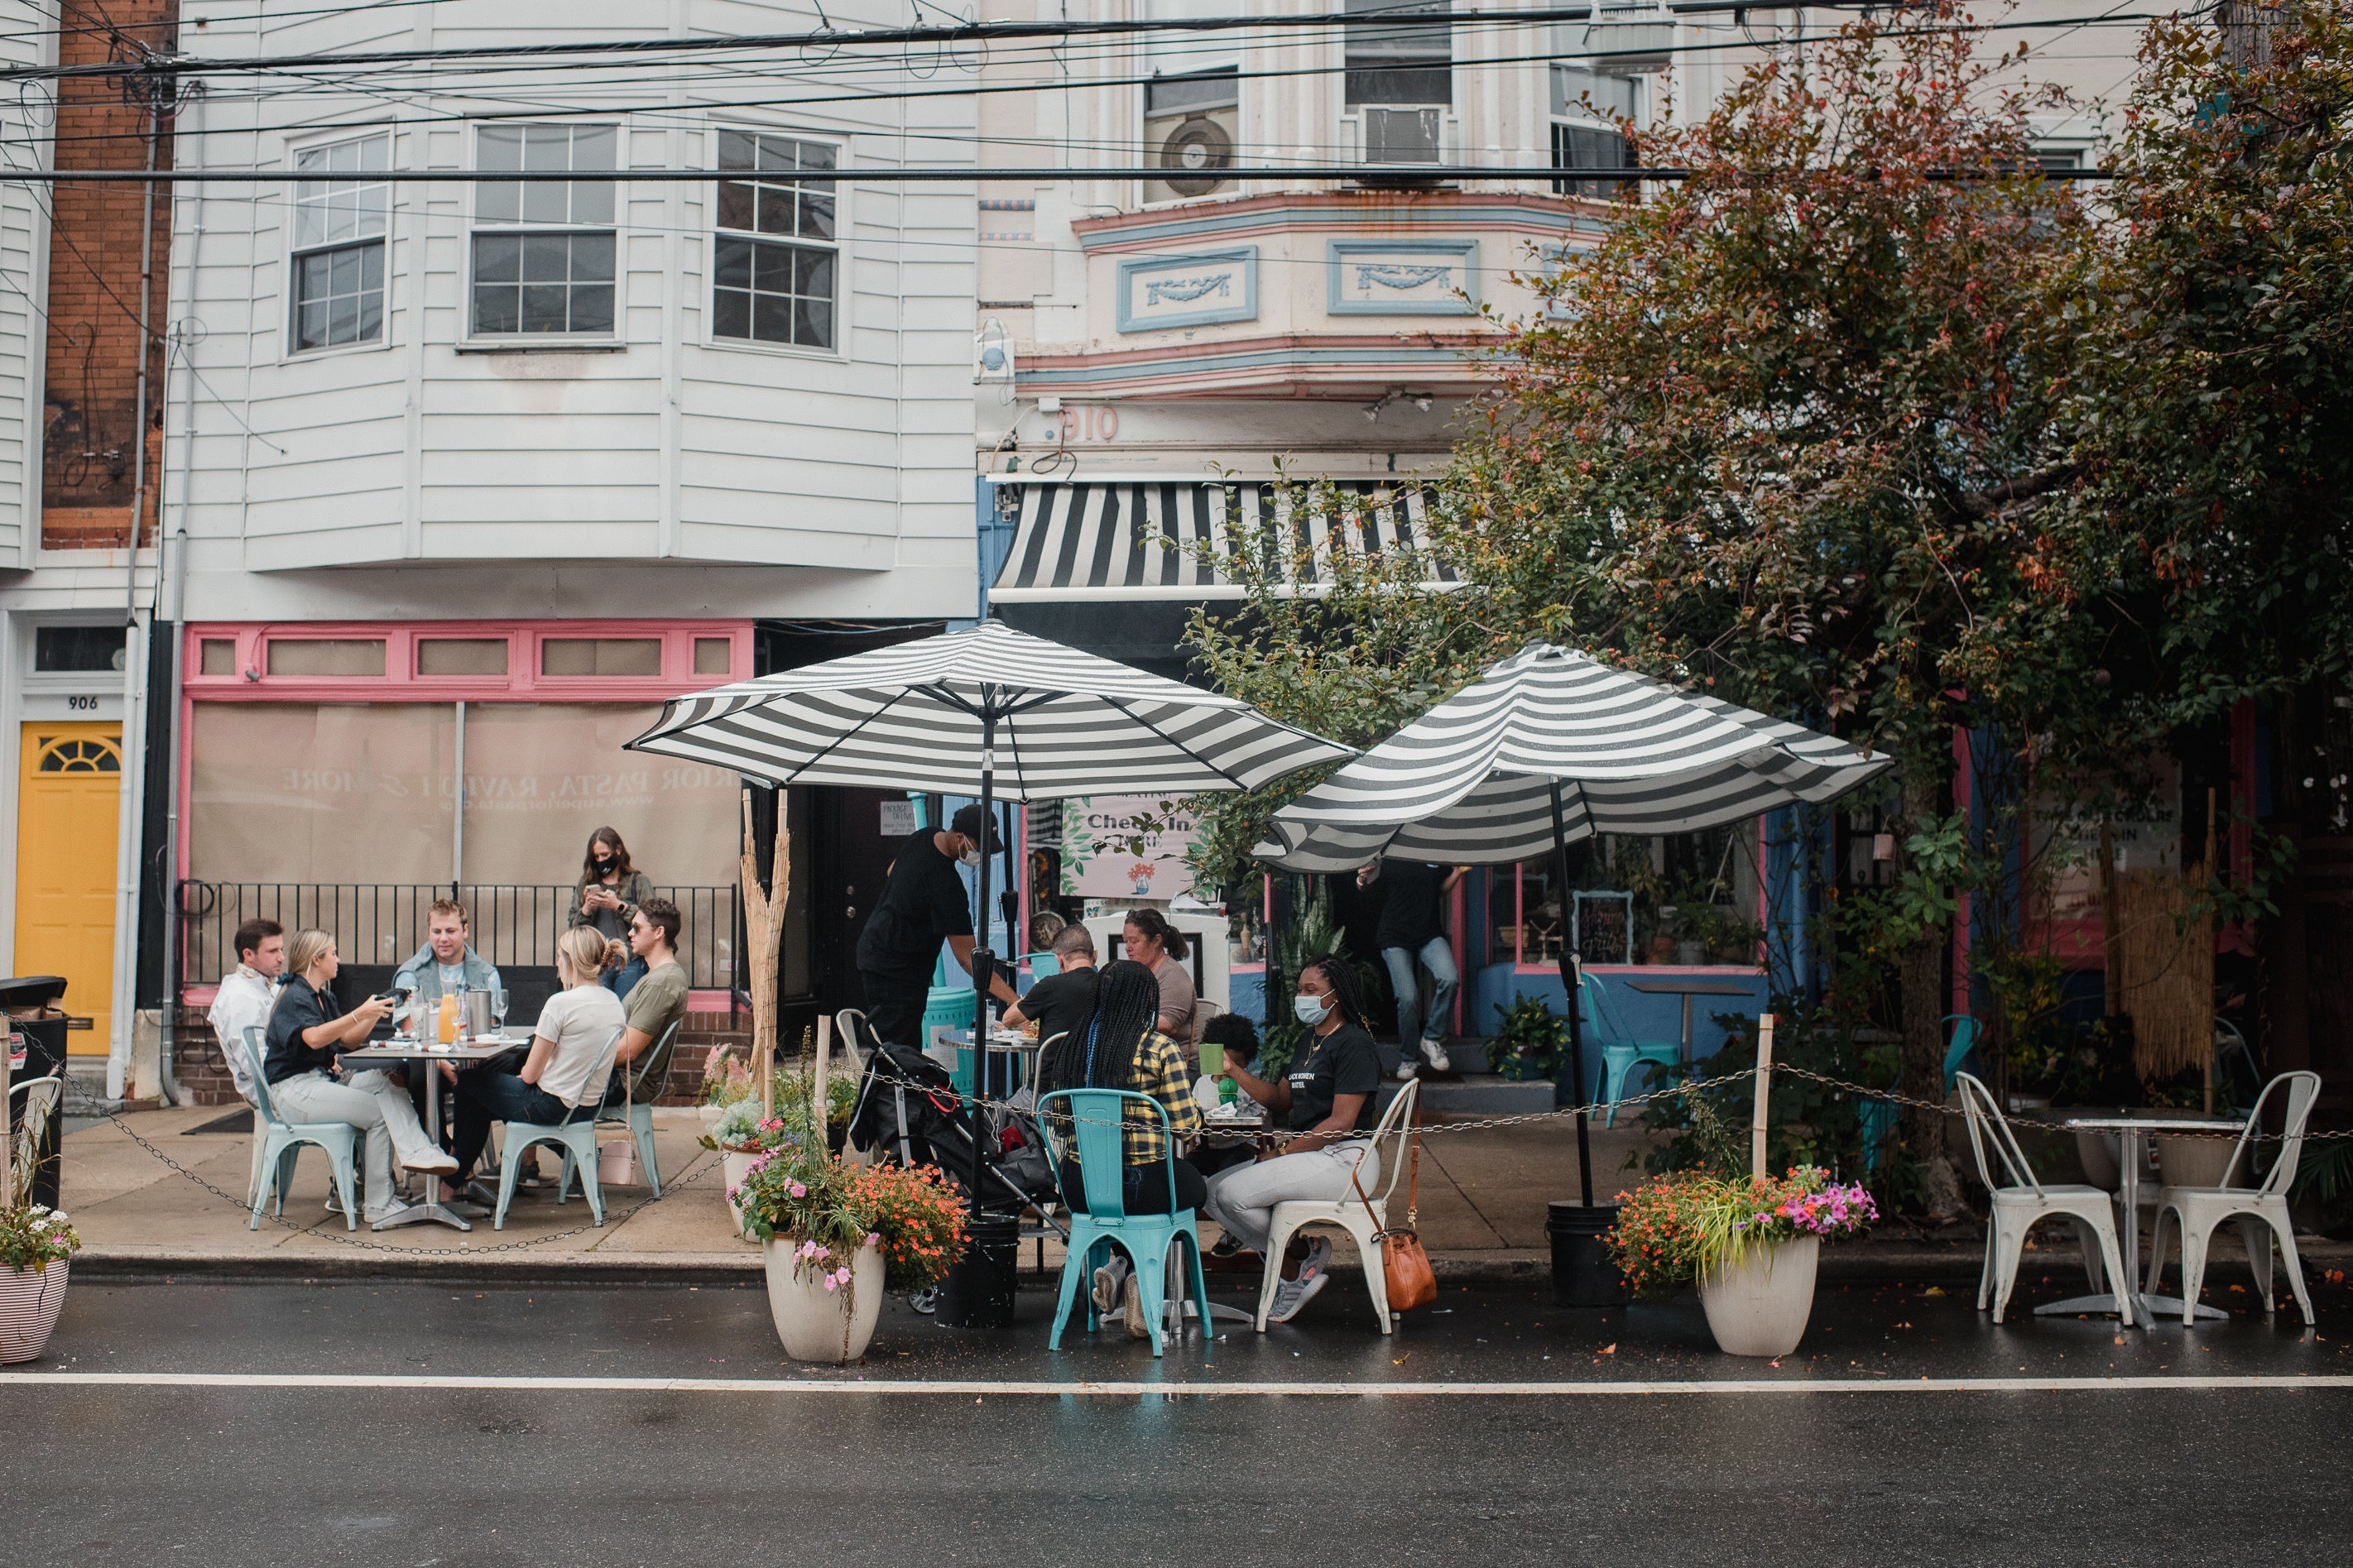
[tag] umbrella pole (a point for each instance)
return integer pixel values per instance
(983, 961)
(1568, 978)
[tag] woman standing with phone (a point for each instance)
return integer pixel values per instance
(611, 887)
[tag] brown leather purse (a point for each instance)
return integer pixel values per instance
(1404, 1264)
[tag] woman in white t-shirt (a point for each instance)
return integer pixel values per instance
(572, 1048)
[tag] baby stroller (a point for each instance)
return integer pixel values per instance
(908, 1111)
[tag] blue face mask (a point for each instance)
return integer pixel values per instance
(1311, 1010)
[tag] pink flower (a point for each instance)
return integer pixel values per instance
(800, 1191)
(874, 1238)
(831, 1284)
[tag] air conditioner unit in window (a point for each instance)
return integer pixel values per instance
(1192, 147)
(1403, 135)
(1630, 40)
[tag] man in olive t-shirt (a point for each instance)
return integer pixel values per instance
(659, 1000)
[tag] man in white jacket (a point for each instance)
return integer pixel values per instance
(245, 995)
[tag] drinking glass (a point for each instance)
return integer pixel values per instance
(498, 1011)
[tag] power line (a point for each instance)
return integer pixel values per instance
(1408, 174)
(978, 33)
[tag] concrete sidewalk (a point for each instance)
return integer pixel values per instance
(1481, 1209)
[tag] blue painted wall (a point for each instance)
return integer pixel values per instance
(1644, 1017)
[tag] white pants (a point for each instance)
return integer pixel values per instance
(372, 1101)
(1242, 1197)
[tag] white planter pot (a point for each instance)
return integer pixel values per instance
(817, 1324)
(2196, 1162)
(1759, 1305)
(733, 1169)
(29, 1302)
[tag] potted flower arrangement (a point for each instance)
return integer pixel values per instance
(742, 1135)
(836, 1236)
(38, 1245)
(1750, 1242)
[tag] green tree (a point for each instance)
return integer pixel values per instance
(1786, 433)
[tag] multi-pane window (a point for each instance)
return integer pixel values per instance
(341, 202)
(1589, 110)
(1192, 101)
(775, 261)
(544, 250)
(1399, 79)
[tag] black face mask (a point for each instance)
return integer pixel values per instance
(604, 863)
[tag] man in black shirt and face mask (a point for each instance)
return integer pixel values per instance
(923, 903)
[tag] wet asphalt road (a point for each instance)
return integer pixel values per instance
(1871, 1471)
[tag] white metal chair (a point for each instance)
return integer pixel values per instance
(282, 1141)
(856, 1036)
(2262, 1212)
(1363, 1219)
(2022, 1200)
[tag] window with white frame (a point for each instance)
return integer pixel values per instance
(775, 260)
(544, 250)
(1192, 101)
(1399, 79)
(341, 204)
(1589, 111)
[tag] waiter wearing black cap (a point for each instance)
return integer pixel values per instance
(923, 903)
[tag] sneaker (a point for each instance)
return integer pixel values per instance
(1106, 1285)
(1134, 1310)
(1406, 1068)
(1435, 1051)
(1317, 1262)
(1293, 1294)
(376, 1214)
(437, 1163)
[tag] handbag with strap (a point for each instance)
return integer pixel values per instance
(1404, 1264)
(616, 1162)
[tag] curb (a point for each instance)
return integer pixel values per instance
(1523, 1269)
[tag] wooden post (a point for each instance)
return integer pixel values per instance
(821, 1109)
(2206, 873)
(764, 930)
(1763, 1092)
(7, 1122)
(2113, 1001)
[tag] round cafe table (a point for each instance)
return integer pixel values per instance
(2131, 1131)
(377, 1053)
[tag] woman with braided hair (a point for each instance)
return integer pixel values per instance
(1122, 1048)
(1329, 1096)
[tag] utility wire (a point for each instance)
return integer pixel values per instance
(980, 34)
(1376, 175)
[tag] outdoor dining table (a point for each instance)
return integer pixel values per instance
(396, 1049)
(1687, 989)
(2132, 1130)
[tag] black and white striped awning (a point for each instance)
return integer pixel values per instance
(1471, 780)
(1101, 541)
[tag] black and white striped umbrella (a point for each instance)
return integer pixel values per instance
(1045, 721)
(1470, 781)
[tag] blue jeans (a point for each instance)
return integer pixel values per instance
(1439, 959)
(619, 980)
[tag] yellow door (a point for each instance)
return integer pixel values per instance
(67, 815)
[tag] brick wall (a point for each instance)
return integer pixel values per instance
(203, 1074)
(88, 439)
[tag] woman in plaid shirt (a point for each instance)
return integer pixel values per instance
(1122, 1048)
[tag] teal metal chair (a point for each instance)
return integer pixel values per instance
(579, 1141)
(1042, 965)
(1878, 1116)
(1621, 1051)
(650, 1076)
(1096, 1117)
(950, 1008)
(283, 1140)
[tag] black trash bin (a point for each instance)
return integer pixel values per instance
(31, 1002)
(1583, 1272)
(978, 1290)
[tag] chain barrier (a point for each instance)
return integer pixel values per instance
(1947, 1109)
(696, 1171)
(706, 1163)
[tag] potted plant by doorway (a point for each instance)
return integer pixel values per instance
(838, 1235)
(741, 1135)
(1751, 1243)
(37, 1248)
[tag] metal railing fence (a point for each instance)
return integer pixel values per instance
(383, 923)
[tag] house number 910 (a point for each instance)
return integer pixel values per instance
(1090, 424)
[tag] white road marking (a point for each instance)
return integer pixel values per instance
(738, 1385)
